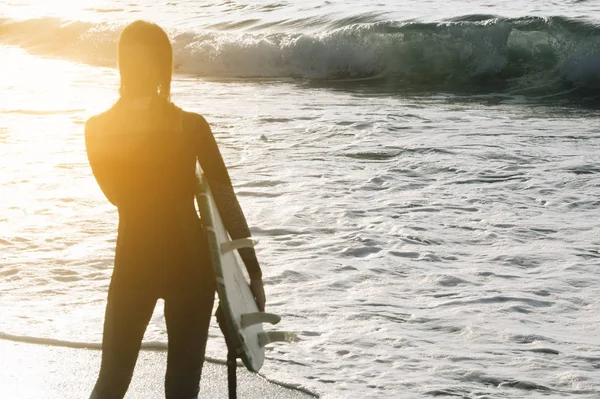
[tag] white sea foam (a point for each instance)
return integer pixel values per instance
(421, 245)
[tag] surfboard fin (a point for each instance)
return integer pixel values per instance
(237, 244)
(265, 338)
(250, 319)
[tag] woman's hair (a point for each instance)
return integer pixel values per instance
(145, 60)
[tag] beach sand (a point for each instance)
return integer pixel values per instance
(29, 371)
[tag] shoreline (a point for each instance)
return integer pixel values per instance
(52, 371)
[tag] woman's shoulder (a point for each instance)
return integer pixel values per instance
(142, 112)
(194, 122)
(194, 117)
(95, 123)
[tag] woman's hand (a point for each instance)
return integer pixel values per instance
(258, 290)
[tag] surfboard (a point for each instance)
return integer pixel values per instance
(243, 320)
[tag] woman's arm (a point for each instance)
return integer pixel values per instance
(96, 149)
(218, 178)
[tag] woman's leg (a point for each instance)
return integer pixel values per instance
(128, 313)
(187, 314)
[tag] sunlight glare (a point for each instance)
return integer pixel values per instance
(65, 9)
(48, 86)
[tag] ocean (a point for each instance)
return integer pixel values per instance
(423, 178)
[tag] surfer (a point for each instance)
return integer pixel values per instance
(143, 152)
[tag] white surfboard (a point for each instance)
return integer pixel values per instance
(243, 318)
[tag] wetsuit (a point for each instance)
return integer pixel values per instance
(143, 154)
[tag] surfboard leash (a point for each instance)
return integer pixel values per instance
(231, 356)
(231, 374)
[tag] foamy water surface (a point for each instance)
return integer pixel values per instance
(423, 178)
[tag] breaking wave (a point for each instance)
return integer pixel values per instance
(529, 54)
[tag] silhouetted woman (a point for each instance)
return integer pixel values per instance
(143, 153)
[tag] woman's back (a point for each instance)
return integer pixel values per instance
(141, 155)
(145, 161)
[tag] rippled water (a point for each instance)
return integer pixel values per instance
(425, 234)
